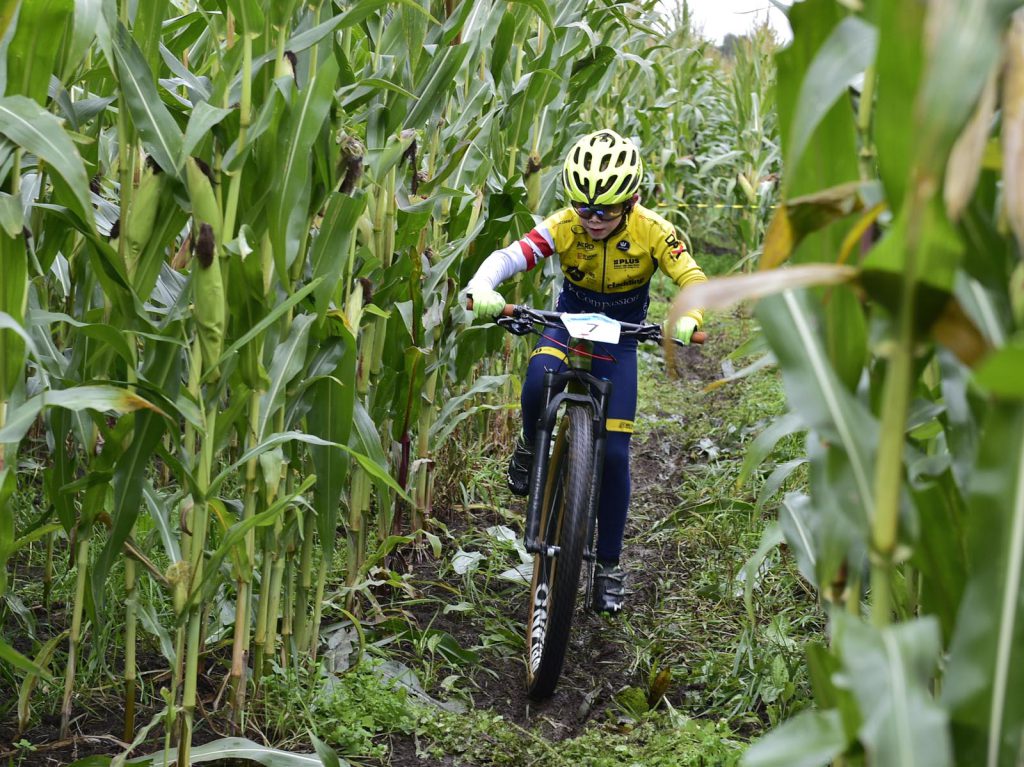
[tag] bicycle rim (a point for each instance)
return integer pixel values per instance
(555, 584)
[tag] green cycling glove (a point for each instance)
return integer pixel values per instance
(683, 330)
(487, 303)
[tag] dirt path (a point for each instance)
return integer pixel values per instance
(606, 655)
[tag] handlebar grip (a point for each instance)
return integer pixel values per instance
(506, 312)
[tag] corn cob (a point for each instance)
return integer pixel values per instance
(533, 167)
(748, 188)
(205, 208)
(141, 216)
(210, 305)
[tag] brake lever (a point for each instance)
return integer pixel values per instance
(650, 333)
(519, 326)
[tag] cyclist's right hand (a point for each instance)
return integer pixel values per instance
(487, 303)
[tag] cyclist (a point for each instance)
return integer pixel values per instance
(609, 247)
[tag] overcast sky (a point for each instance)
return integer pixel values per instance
(717, 18)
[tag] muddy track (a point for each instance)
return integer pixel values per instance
(599, 659)
(599, 662)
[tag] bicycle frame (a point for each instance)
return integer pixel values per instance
(576, 384)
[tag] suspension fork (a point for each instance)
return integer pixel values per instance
(595, 398)
(603, 389)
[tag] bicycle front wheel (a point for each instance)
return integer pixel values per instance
(563, 532)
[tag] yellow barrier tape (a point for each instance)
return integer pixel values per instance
(709, 205)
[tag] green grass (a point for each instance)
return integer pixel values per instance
(665, 739)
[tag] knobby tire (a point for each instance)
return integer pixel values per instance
(564, 524)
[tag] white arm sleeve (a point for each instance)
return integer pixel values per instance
(520, 256)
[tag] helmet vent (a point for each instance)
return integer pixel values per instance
(605, 186)
(605, 161)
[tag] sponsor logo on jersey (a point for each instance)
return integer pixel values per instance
(574, 273)
(625, 263)
(585, 245)
(626, 283)
(622, 245)
(578, 229)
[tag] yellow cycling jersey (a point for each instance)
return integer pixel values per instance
(625, 260)
(618, 267)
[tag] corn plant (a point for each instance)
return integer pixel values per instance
(897, 331)
(233, 235)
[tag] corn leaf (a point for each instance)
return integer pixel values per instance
(814, 390)
(32, 53)
(159, 132)
(847, 52)
(827, 154)
(88, 14)
(290, 196)
(330, 417)
(11, 656)
(270, 318)
(809, 739)
(13, 338)
(289, 358)
(202, 119)
(986, 665)
(146, 27)
(373, 467)
(34, 129)
(235, 538)
(234, 748)
(899, 65)
(890, 671)
(331, 247)
(163, 372)
(42, 660)
(432, 94)
(100, 398)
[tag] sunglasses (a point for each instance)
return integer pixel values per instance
(601, 212)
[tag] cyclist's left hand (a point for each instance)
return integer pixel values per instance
(683, 330)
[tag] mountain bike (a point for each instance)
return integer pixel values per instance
(565, 481)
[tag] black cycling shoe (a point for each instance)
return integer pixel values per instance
(519, 467)
(609, 588)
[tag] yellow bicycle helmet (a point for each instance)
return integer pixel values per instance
(602, 168)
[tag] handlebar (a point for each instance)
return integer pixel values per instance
(643, 332)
